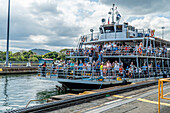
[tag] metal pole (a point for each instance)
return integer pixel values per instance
(155, 57)
(168, 65)
(91, 30)
(8, 27)
(137, 61)
(147, 46)
(158, 96)
(163, 32)
(113, 14)
(163, 65)
(148, 66)
(166, 51)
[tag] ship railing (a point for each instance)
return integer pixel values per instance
(107, 35)
(123, 52)
(44, 71)
(134, 51)
(89, 37)
(87, 73)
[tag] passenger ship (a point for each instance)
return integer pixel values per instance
(149, 54)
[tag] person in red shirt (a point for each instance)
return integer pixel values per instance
(43, 68)
(121, 70)
(126, 49)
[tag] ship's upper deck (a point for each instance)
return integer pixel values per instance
(121, 33)
(119, 36)
(114, 31)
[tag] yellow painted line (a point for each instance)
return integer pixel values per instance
(128, 97)
(86, 92)
(72, 94)
(119, 96)
(133, 83)
(153, 102)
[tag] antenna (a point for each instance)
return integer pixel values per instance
(113, 14)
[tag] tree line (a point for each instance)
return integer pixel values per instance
(31, 56)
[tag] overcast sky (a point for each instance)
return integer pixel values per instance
(57, 24)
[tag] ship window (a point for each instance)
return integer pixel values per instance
(101, 31)
(129, 27)
(119, 28)
(133, 28)
(109, 29)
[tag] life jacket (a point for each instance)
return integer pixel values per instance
(44, 65)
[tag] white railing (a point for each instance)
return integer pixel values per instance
(84, 72)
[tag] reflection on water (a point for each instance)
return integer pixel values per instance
(5, 92)
(47, 94)
(17, 90)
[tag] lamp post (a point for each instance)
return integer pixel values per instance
(8, 26)
(163, 32)
(91, 30)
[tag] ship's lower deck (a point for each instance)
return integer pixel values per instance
(94, 83)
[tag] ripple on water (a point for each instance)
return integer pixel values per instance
(17, 90)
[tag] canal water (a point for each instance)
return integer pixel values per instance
(17, 90)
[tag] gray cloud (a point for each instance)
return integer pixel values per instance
(38, 19)
(54, 21)
(140, 6)
(45, 8)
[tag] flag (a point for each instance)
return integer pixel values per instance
(108, 20)
(118, 15)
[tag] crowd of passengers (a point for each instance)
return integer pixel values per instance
(107, 68)
(119, 49)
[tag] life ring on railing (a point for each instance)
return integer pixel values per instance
(119, 79)
(140, 50)
(67, 52)
(152, 33)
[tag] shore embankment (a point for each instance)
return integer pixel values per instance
(18, 70)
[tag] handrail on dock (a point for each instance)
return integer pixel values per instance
(160, 91)
(32, 101)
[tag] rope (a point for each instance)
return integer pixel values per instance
(101, 85)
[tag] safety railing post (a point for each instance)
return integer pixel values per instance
(161, 89)
(158, 96)
(74, 72)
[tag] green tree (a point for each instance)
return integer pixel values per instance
(62, 54)
(52, 55)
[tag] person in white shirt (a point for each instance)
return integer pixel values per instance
(116, 66)
(105, 46)
(109, 47)
(109, 67)
(94, 46)
(88, 66)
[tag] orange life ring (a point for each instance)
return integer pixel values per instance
(68, 52)
(140, 50)
(152, 33)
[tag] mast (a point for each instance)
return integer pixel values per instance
(8, 28)
(113, 14)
